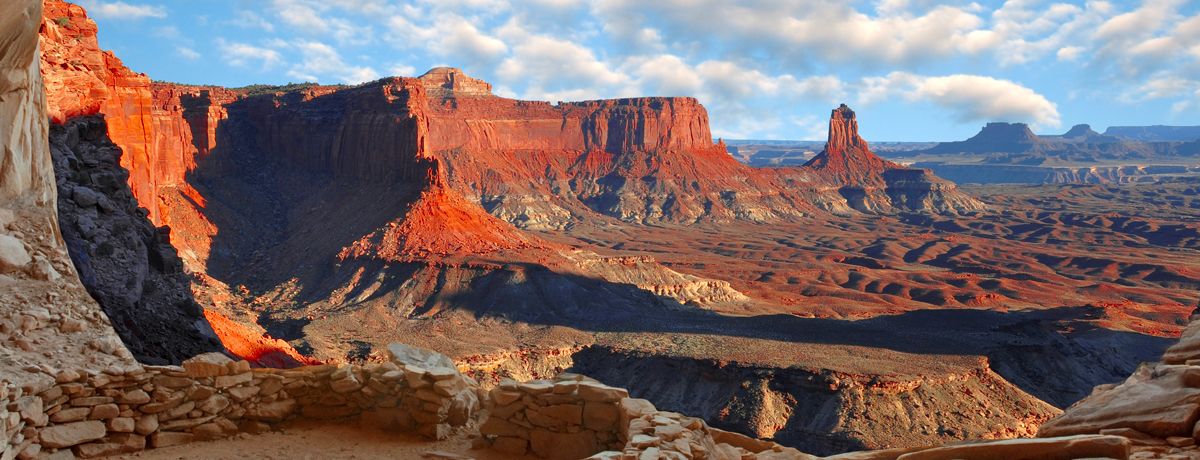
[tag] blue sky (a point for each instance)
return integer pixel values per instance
(766, 69)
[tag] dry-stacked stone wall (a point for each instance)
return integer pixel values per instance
(569, 417)
(96, 414)
(573, 416)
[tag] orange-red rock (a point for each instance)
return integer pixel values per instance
(847, 158)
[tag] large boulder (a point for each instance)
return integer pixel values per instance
(1066, 448)
(1160, 401)
(1188, 347)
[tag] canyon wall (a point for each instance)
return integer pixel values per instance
(825, 412)
(25, 167)
(114, 152)
(123, 260)
(81, 79)
(47, 319)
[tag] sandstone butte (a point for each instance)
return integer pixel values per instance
(1151, 415)
(537, 163)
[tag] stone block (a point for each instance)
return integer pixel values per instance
(71, 434)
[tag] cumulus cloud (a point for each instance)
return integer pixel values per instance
(319, 59)
(967, 97)
(187, 53)
(315, 17)
(556, 69)
(121, 10)
(449, 35)
(1145, 40)
(402, 70)
(246, 55)
(800, 32)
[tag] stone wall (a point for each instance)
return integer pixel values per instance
(96, 413)
(569, 417)
(573, 416)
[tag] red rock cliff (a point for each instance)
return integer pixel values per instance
(82, 79)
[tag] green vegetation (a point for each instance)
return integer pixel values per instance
(63, 22)
(255, 90)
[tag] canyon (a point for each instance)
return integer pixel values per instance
(846, 304)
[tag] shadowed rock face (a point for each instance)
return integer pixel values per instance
(126, 263)
(46, 315)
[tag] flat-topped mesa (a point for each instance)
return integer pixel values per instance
(995, 137)
(450, 81)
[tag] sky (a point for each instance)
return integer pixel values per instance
(914, 70)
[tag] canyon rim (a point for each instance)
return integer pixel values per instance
(452, 268)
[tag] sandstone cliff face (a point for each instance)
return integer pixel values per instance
(25, 167)
(123, 260)
(452, 82)
(81, 79)
(46, 316)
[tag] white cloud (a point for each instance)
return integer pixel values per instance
(555, 69)
(1162, 85)
(967, 97)
(121, 10)
(249, 20)
(246, 55)
(319, 59)
(799, 32)
(316, 17)
(402, 70)
(448, 35)
(1069, 53)
(187, 53)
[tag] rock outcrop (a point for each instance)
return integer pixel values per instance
(1016, 144)
(1156, 406)
(1155, 133)
(994, 137)
(47, 320)
(871, 184)
(452, 82)
(81, 79)
(25, 168)
(123, 260)
(847, 158)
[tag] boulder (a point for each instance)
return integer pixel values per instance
(402, 354)
(13, 255)
(1064, 448)
(1187, 348)
(207, 365)
(1155, 401)
(71, 434)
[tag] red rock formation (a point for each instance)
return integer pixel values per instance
(82, 79)
(449, 81)
(536, 164)
(847, 158)
(440, 223)
(257, 348)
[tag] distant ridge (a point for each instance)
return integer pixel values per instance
(1155, 133)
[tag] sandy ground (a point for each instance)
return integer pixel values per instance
(326, 440)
